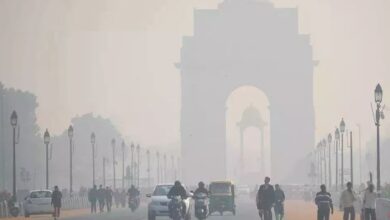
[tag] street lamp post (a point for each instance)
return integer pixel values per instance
(158, 167)
(93, 140)
(351, 146)
(132, 163)
(165, 168)
(70, 135)
(329, 159)
(14, 123)
(323, 145)
(113, 160)
(104, 171)
(46, 140)
(378, 116)
(139, 163)
(148, 169)
(337, 141)
(342, 130)
(123, 164)
(319, 156)
(173, 168)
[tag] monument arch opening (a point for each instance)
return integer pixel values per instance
(247, 135)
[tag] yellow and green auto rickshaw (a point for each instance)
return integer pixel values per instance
(222, 197)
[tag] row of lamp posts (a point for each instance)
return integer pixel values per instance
(324, 149)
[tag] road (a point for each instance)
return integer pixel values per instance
(295, 210)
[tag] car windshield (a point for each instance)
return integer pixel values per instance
(220, 188)
(40, 194)
(162, 190)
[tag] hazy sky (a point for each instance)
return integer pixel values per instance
(116, 58)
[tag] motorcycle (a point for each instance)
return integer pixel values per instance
(201, 206)
(134, 203)
(13, 207)
(176, 208)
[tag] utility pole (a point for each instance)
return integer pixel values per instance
(351, 145)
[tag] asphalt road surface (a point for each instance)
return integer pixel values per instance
(246, 210)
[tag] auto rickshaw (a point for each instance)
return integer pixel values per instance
(222, 197)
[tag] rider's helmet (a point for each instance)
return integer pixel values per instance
(177, 183)
(201, 185)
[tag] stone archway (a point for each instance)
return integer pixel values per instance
(245, 42)
(251, 117)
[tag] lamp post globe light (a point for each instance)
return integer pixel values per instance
(70, 135)
(330, 159)
(14, 123)
(337, 141)
(113, 142)
(342, 130)
(46, 140)
(93, 141)
(378, 116)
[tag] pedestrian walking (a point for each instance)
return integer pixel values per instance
(56, 198)
(101, 198)
(93, 197)
(265, 199)
(324, 204)
(279, 202)
(348, 197)
(369, 203)
(108, 195)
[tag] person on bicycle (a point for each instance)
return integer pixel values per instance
(265, 199)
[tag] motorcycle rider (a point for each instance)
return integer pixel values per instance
(177, 190)
(202, 189)
(133, 192)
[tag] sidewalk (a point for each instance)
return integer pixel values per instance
(300, 210)
(64, 213)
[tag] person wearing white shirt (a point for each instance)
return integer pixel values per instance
(369, 200)
(347, 200)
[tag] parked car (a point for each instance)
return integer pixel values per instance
(158, 205)
(38, 202)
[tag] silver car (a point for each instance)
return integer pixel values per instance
(158, 205)
(38, 202)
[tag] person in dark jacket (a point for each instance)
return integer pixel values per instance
(134, 193)
(178, 190)
(56, 198)
(92, 197)
(201, 189)
(266, 199)
(324, 203)
(101, 195)
(108, 195)
(279, 202)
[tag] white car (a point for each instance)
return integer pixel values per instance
(38, 202)
(158, 205)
